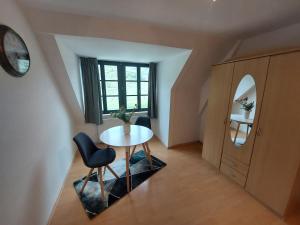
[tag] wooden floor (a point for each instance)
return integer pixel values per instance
(186, 192)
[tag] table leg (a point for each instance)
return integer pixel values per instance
(237, 131)
(127, 157)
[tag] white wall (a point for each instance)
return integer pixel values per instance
(72, 66)
(35, 135)
(167, 73)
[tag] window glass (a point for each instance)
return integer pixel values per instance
(123, 84)
(131, 88)
(144, 88)
(112, 103)
(99, 70)
(144, 102)
(111, 88)
(111, 72)
(131, 73)
(131, 102)
(144, 73)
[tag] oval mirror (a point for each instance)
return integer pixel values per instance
(243, 111)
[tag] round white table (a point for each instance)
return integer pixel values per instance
(138, 135)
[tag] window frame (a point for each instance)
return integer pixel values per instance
(122, 95)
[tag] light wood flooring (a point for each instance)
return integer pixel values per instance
(187, 191)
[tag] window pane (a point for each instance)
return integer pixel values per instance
(144, 73)
(100, 87)
(131, 102)
(131, 88)
(102, 103)
(131, 73)
(111, 72)
(99, 70)
(112, 103)
(144, 102)
(111, 88)
(144, 88)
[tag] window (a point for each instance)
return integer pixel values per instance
(123, 84)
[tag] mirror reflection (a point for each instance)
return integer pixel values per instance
(243, 110)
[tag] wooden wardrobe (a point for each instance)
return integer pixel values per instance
(267, 165)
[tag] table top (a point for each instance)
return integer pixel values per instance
(116, 136)
(240, 118)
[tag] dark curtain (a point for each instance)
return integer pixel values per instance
(91, 89)
(152, 110)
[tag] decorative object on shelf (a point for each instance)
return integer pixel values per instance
(125, 117)
(14, 55)
(247, 107)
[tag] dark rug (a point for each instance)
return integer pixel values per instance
(140, 171)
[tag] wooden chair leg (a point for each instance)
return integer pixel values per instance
(104, 170)
(101, 182)
(147, 153)
(112, 171)
(133, 150)
(86, 180)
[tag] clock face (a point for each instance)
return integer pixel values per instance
(15, 60)
(16, 52)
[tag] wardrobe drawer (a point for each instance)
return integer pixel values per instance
(240, 167)
(233, 174)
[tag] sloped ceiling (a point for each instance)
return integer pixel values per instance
(221, 16)
(110, 49)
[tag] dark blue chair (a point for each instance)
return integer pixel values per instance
(94, 157)
(142, 121)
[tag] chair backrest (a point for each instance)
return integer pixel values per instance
(85, 146)
(143, 121)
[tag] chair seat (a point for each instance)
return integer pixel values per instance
(102, 157)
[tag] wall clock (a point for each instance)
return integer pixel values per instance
(14, 55)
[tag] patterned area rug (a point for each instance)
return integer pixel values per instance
(115, 188)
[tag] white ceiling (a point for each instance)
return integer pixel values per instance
(226, 16)
(109, 49)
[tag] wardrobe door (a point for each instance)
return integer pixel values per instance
(276, 153)
(247, 88)
(217, 110)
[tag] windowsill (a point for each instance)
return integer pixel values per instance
(108, 116)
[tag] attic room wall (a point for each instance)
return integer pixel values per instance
(71, 62)
(203, 107)
(35, 135)
(188, 89)
(167, 73)
(206, 50)
(64, 83)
